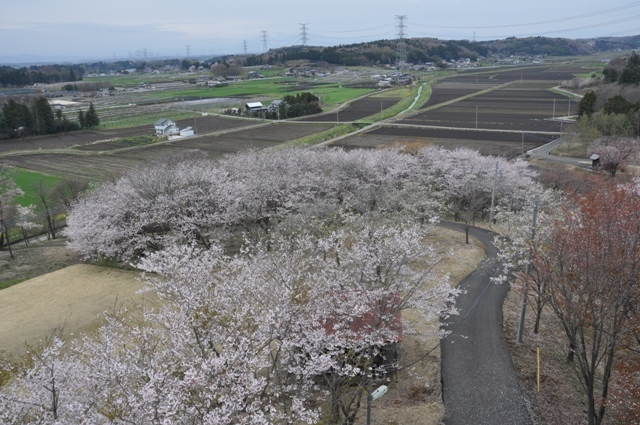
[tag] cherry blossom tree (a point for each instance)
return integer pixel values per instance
(8, 207)
(27, 221)
(469, 180)
(615, 152)
(244, 339)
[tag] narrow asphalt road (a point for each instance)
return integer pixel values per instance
(479, 380)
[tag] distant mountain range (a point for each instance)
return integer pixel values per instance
(418, 50)
(421, 50)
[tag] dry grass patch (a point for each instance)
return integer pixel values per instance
(572, 148)
(560, 400)
(74, 298)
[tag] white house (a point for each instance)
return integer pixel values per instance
(165, 127)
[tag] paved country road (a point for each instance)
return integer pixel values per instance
(479, 381)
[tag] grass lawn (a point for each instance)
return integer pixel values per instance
(26, 180)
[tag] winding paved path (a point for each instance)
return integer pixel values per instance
(479, 381)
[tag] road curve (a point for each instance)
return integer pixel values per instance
(479, 380)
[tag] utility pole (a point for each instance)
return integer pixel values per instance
(476, 117)
(303, 34)
(523, 307)
(401, 52)
(264, 41)
(554, 109)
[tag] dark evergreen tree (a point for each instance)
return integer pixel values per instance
(631, 72)
(18, 118)
(4, 127)
(618, 105)
(45, 122)
(91, 118)
(587, 104)
(81, 120)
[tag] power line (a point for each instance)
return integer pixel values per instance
(550, 21)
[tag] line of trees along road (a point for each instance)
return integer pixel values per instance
(39, 118)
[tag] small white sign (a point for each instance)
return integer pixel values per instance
(379, 392)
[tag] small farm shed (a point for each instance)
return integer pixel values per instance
(595, 161)
(165, 127)
(254, 106)
(185, 132)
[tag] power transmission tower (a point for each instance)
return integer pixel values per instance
(244, 46)
(264, 42)
(303, 34)
(188, 51)
(401, 52)
(145, 54)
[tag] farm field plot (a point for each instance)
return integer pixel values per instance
(279, 131)
(486, 142)
(551, 73)
(85, 167)
(518, 108)
(449, 90)
(202, 125)
(53, 141)
(357, 110)
(103, 167)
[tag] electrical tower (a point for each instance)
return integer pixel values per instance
(401, 52)
(145, 54)
(188, 51)
(264, 42)
(303, 34)
(244, 46)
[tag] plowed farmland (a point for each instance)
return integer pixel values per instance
(507, 144)
(356, 110)
(518, 107)
(508, 120)
(94, 166)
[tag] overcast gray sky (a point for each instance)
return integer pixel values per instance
(89, 29)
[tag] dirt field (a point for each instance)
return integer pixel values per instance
(99, 167)
(508, 145)
(519, 107)
(357, 110)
